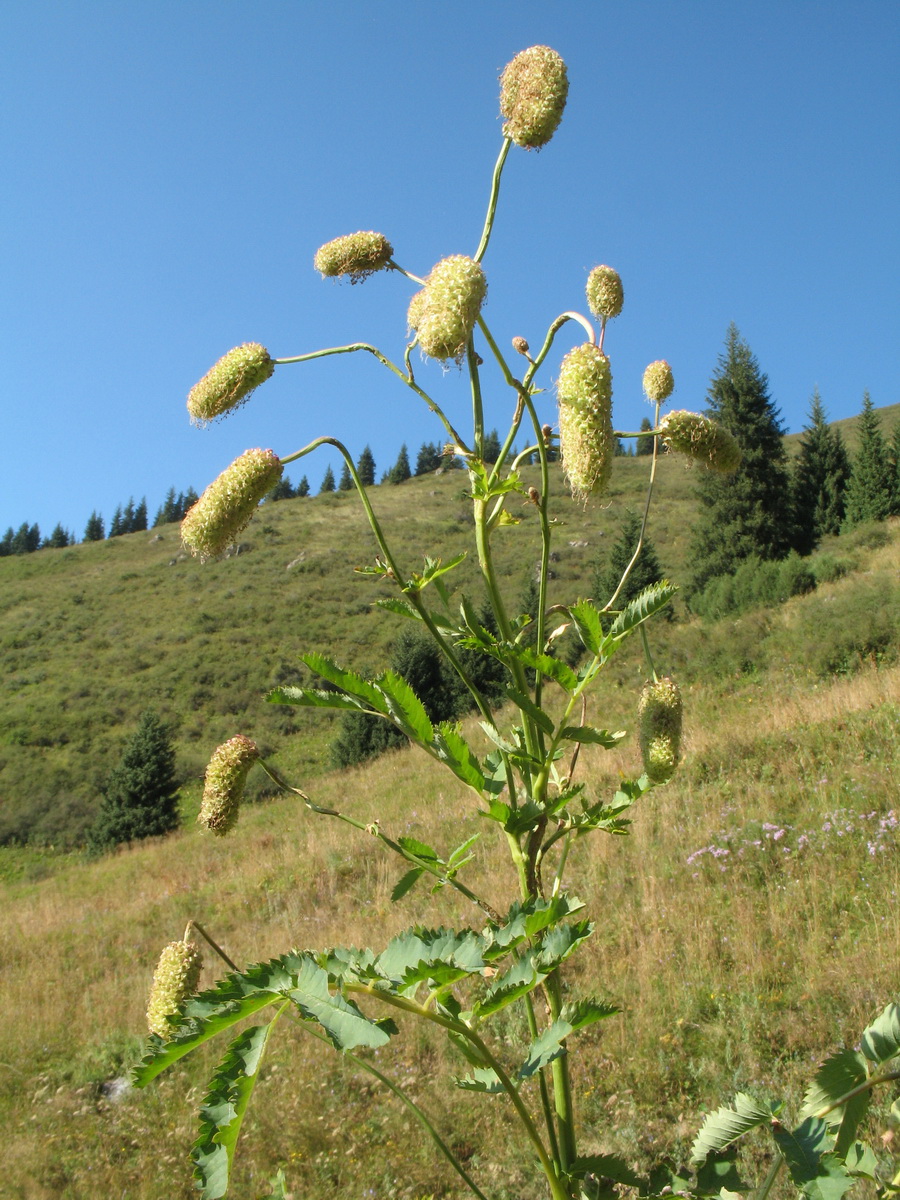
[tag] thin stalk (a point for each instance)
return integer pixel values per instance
(395, 266)
(562, 1089)
(542, 1081)
(492, 200)
(766, 1186)
(640, 543)
(218, 949)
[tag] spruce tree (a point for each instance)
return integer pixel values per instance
(281, 491)
(327, 481)
(303, 487)
(491, 446)
(645, 572)
(27, 539)
(645, 444)
(128, 516)
(428, 459)
(139, 517)
(749, 511)
(58, 538)
(870, 491)
(346, 480)
(365, 467)
(93, 531)
(6, 545)
(894, 461)
(400, 471)
(140, 795)
(168, 510)
(115, 525)
(820, 478)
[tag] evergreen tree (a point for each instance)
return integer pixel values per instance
(491, 447)
(93, 531)
(346, 480)
(140, 795)
(820, 478)
(645, 444)
(870, 490)
(645, 572)
(115, 525)
(428, 459)
(281, 491)
(365, 467)
(400, 471)
(139, 518)
(303, 487)
(894, 460)
(327, 481)
(168, 510)
(187, 501)
(27, 539)
(6, 545)
(749, 511)
(128, 516)
(58, 538)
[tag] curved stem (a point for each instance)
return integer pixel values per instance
(395, 266)
(492, 200)
(640, 543)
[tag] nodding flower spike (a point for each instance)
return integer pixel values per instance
(701, 439)
(660, 715)
(533, 92)
(358, 255)
(444, 312)
(226, 507)
(605, 295)
(659, 382)
(223, 788)
(175, 980)
(586, 441)
(229, 383)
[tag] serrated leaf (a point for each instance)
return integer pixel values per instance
(830, 1182)
(718, 1172)
(587, 622)
(434, 569)
(406, 708)
(606, 1166)
(341, 1020)
(650, 601)
(862, 1160)
(526, 705)
(595, 737)
(581, 1013)
(881, 1041)
(402, 608)
(553, 668)
(407, 881)
(315, 698)
(454, 750)
(482, 1079)
(521, 978)
(802, 1148)
(545, 1048)
(459, 855)
(837, 1076)
(224, 1108)
(438, 956)
(420, 849)
(527, 918)
(559, 943)
(726, 1125)
(347, 681)
(467, 1049)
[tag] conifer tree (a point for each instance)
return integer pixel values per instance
(6, 545)
(58, 538)
(820, 478)
(27, 539)
(167, 510)
(128, 516)
(327, 481)
(115, 525)
(365, 467)
(346, 481)
(303, 487)
(491, 450)
(894, 461)
(749, 511)
(139, 517)
(400, 471)
(281, 491)
(645, 572)
(93, 531)
(645, 444)
(140, 795)
(187, 501)
(870, 490)
(428, 459)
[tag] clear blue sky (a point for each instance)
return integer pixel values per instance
(169, 169)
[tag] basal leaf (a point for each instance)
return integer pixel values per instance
(596, 737)
(224, 1107)
(837, 1076)
(545, 1048)
(881, 1041)
(650, 601)
(348, 681)
(345, 1025)
(406, 708)
(726, 1125)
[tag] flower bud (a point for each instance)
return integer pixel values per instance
(659, 382)
(176, 978)
(223, 788)
(533, 91)
(520, 345)
(605, 296)
(701, 439)
(357, 255)
(587, 445)
(227, 505)
(446, 309)
(660, 712)
(229, 382)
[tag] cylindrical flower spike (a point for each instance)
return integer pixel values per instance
(660, 714)
(227, 505)
(223, 788)
(702, 439)
(533, 91)
(229, 382)
(605, 295)
(584, 391)
(444, 312)
(176, 978)
(357, 255)
(659, 382)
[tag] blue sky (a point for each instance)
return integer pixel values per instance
(169, 170)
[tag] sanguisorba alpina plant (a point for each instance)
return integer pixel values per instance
(520, 769)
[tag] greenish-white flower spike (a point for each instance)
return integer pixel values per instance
(659, 382)
(230, 382)
(605, 295)
(586, 441)
(660, 717)
(176, 979)
(223, 788)
(357, 255)
(225, 508)
(701, 439)
(533, 91)
(444, 313)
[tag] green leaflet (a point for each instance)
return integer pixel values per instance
(224, 1107)
(439, 956)
(482, 1079)
(581, 1013)
(545, 1048)
(881, 1041)
(606, 1166)
(650, 601)
(526, 918)
(596, 737)
(348, 681)
(452, 748)
(314, 698)
(559, 944)
(837, 1076)
(726, 1125)
(526, 705)
(820, 1175)
(522, 977)
(345, 1025)
(434, 568)
(586, 618)
(406, 708)
(405, 882)
(553, 668)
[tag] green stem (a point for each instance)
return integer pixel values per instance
(640, 542)
(562, 1090)
(770, 1178)
(492, 200)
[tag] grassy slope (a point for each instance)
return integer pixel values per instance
(736, 969)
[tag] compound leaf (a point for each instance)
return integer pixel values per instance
(726, 1125)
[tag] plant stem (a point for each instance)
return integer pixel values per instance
(766, 1186)
(492, 201)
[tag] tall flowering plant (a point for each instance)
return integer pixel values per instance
(526, 783)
